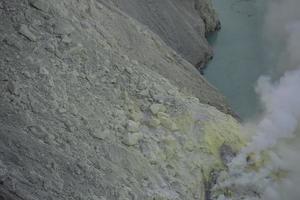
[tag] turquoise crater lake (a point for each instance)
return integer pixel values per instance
(238, 54)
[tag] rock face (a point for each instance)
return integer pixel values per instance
(181, 24)
(95, 106)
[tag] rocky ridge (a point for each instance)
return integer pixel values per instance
(95, 106)
(182, 25)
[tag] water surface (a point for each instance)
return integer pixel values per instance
(238, 54)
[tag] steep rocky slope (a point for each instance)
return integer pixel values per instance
(114, 30)
(95, 106)
(181, 24)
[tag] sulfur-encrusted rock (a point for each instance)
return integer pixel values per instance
(155, 108)
(166, 121)
(131, 139)
(132, 126)
(136, 116)
(153, 122)
(220, 133)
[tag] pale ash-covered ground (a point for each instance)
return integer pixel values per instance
(95, 106)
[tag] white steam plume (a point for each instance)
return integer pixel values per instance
(278, 128)
(282, 110)
(281, 99)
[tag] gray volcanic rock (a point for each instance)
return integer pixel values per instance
(181, 24)
(139, 43)
(93, 105)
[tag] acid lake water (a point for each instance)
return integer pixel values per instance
(238, 54)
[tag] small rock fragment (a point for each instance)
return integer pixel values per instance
(144, 93)
(36, 23)
(40, 5)
(37, 131)
(166, 122)
(132, 126)
(128, 70)
(135, 62)
(101, 134)
(125, 57)
(44, 71)
(27, 33)
(85, 24)
(49, 47)
(62, 110)
(3, 170)
(172, 92)
(154, 122)
(136, 116)
(63, 28)
(99, 5)
(13, 41)
(113, 81)
(132, 139)
(155, 108)
(142, 85)
(66, 39)
(11, 87)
